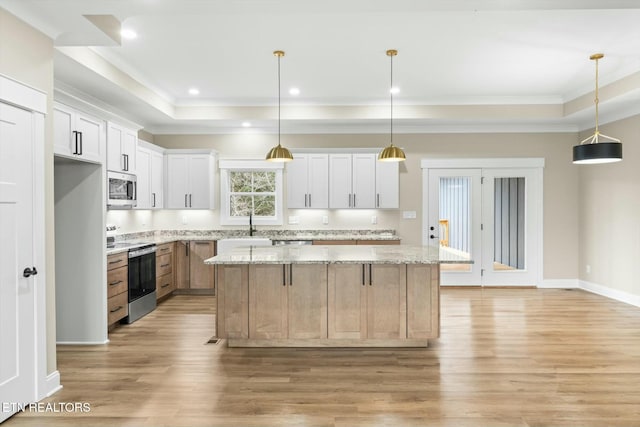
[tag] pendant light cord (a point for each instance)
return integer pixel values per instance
(597, 101)
(278, 99)
(391, 92)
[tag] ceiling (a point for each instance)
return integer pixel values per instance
(465, 65)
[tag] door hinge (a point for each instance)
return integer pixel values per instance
(481, 272)
(482, 180)
(481, 226)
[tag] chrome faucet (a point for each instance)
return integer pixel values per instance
(251, 228)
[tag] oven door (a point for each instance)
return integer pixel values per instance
(142, 275)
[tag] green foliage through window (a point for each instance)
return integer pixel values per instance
(252, 192)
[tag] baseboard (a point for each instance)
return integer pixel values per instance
(52, 384)
(82, 342)
(610, 293)
(559, 284)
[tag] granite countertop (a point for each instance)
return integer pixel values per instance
(167, 236)
(319, 254)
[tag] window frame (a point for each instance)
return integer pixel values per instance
(227, 166)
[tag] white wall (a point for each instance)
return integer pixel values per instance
(609, 214)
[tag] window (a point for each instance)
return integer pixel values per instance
(250, 187)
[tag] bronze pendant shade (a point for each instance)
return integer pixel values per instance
(391, 153)
(279, 153)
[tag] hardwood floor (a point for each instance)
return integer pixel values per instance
(522, 357)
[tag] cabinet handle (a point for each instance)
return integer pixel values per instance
(354, 200)
(165, 285)
(115, 283)
(164, 265)
(75, 140)
(363, 274)
(154, 199)
(349, 199)
(190, 205)
(370, 276)
(305, 200)
(80, 153)
(116, 309)
(290, 274)
(284, 275)
(115, 262)
(124, 162)
(164, 249)
(378, 200)
(309, 199)
(185, 200)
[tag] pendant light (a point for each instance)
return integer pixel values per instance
(279, 153)
(391, 153)
(591, 150)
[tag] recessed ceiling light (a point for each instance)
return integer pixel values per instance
(246, 124)
(128, 33)
(194, 91)
(394, 90)
(294, 91)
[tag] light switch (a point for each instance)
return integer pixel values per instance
(325, 219)
(408, 214)
(374, 219)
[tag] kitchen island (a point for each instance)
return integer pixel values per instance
(329, 296)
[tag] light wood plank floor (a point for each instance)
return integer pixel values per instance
(523, 357)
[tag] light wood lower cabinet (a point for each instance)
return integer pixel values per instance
(367, 301)
(165, 270)
(117, 287)
(335, 305)
(191, 271)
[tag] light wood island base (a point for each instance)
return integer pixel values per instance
(328, 304)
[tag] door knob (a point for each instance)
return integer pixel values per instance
(29, 272)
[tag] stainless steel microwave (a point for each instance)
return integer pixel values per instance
(122, 190)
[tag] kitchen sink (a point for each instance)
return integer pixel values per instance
(227, 245)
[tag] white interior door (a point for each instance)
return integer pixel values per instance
(511, 201)
(17, 295)
(454, 221)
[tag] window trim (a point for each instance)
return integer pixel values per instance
(227, 166)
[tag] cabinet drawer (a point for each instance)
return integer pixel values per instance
(164, 265)
(165, 248)
(117, 281)
(117, 260)
(164, 285)
(117, 307)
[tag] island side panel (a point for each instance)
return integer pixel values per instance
(347, 301)
(233, 301)
(423, 301)
(307, 301)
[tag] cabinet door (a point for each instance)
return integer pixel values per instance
(129, 150)
(115, 161)
(63, 137)
(318, 179)
(423, 301)
(387, 185)
(233, 301)
(201, 274)
(267, 302)
(340, 195)
(157, 180)
(144, 179)
(364, 181)
(177, 184)
(182, 265)
(200, 182)
(92, 145)
(387, 302)
(297, 174)
(347, 305)
(307, 301)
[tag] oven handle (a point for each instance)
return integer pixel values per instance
(141, 252)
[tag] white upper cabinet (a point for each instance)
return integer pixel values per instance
(78, 135)
(308, 181)
(189, 180)
(387, 185)
(149, 170)
(122, 146)
(352, 180)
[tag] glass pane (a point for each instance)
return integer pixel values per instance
(455, 219)
(240, 182)
(508, 224)
(264, 182)
(241, 205)
(264, 205)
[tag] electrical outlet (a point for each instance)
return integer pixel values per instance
(184, 219)
(374, 219)
(588, 269)
(294, 220)
(325, 219)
